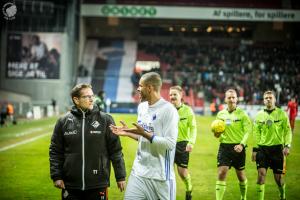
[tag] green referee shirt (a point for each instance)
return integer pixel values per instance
(187, 127)
(238, 126)
(272, 128)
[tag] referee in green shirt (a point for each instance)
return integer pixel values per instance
(273, 137)
(232, 144)
(187, 132)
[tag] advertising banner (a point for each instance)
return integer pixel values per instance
(198, 13)
(33, 55)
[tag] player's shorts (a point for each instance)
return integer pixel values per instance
(93, 194)
(227, 156)
(271, 156)
(141, 188)
(181, 155)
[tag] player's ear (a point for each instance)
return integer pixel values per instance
(150, 87)
(76, 100)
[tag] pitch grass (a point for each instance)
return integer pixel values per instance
(24, 170)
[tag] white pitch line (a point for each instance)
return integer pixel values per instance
(23, 142)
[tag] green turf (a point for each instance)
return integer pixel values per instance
(24, 170)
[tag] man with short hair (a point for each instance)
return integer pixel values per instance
(273, 137)
(82, 149)
(232, 144)
(187, 133)
(152, 176)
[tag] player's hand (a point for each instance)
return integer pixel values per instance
(137, 130)
(254, 156)
(189, 148)
(238, 148)
(121, 185)
(119, 130)
(286, 151)
(59, 184)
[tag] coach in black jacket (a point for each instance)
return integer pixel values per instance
(82, 148)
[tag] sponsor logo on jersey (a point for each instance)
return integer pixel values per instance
(95, 132)
(70, 132)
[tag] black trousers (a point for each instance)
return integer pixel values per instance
(93, 194)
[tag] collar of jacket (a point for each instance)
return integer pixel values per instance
(76, 111)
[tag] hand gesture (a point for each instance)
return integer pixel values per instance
(119, 130)
(138, 130)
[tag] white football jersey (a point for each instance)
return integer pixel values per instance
(156, 160)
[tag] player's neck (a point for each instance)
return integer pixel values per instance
(178, 105)
(270, 108)
(153, 99)
(231, 108)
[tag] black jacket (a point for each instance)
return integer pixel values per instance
(82, 161)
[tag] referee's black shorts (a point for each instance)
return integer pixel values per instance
(227, 156)
(181, 155)
(271, 156)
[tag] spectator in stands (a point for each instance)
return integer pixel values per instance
(247, 67)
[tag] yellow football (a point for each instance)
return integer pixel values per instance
(218, 126)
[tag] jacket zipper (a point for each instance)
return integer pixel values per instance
(83, 158)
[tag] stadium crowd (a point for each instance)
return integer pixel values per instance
(210, 67)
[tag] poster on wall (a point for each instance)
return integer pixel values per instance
(33, 55)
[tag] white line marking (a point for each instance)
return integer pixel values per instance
(23, 142)
(27, 132)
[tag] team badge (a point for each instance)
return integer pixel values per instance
(154, 117)
(95, 124)
(269, 122)
(228, 122)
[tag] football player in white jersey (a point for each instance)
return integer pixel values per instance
(152, 176)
